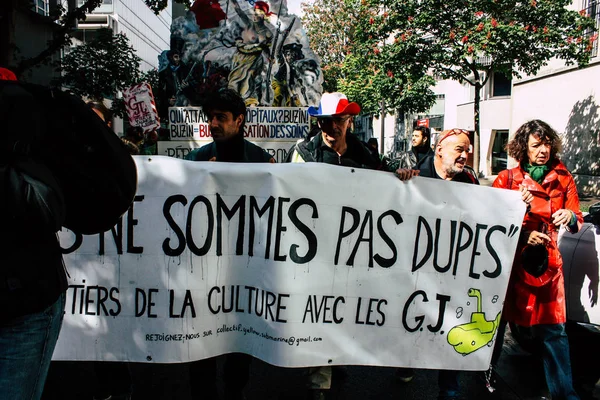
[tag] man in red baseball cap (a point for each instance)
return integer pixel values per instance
(334, 144)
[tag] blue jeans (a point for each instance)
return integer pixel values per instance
(26, 347)
(554, 351)
(449, 384)
(557, 363)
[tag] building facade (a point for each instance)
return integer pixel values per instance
(149, 34)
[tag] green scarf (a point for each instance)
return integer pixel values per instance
(537, 172)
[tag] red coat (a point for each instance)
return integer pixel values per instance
(529, 300)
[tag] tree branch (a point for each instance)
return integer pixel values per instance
(61, 36)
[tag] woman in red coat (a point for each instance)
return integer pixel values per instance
(535, 299)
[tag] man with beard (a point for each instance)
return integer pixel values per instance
(226, 114)
(421, 148)
(333, 144)
(448, 163)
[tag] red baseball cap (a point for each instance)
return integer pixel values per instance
(7, 75)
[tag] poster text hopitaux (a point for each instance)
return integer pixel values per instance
(296, 264)
(275, 129)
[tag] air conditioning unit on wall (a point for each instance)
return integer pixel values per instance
(97, 21)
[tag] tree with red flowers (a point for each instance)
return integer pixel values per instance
(468, 41)
(352, 60)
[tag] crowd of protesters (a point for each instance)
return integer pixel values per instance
(535, 298)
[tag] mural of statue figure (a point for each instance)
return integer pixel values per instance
(248, 61)
(286, 76)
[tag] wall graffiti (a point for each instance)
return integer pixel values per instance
(254, 47)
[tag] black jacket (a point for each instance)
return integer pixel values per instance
(32, 274)
(238, 150)
(357, 155)
(427, 169)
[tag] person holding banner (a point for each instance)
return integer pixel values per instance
(449, 162)
(421, 148)
(332, 145)
(535, 299)
(226, 113)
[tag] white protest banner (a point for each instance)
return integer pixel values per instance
(141, 108)
(296, 264)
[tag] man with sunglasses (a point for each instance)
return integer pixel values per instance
(333, 144)
(449, 162)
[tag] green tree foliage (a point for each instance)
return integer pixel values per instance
(352, 60)
(101, 68)
(330, 26)
(468, 40)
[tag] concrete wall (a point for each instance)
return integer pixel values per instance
(495, 114)
(389, 131)
(454, 95)
(569, 101)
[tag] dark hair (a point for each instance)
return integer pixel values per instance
(517, 147)
(226, 99)
(425, 131)
(135, 132)
(372, 141)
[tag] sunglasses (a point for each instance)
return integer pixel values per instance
(450, 132)
(336, 120)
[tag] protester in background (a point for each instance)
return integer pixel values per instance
(421, 149)
(333, 145)
(226, 114)
(373, 146)
(102, 111)
(448, 163)
(535, 300)
(139, 142)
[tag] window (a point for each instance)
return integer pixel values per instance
(41, 7)
(501, 85)
(592, 8)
